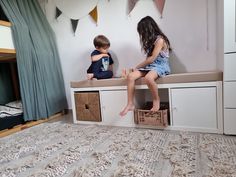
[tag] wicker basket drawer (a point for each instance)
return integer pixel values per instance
(87, 106)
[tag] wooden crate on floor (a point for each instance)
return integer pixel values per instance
(87, 106)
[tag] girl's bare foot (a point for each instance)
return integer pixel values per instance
(126, 110)
(156, 105)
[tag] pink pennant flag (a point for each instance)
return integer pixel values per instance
(160, 5)
(132, 4)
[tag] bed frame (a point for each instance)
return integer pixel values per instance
(8, 55)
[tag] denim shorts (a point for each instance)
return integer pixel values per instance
(160, 65)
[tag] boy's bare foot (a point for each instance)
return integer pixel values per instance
(90, 76)
(126, 110)
(156, 105)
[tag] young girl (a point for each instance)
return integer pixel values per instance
(156, 46)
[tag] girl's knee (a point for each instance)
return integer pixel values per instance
(149, 79)
(132, 76)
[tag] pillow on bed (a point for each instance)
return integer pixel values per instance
(15, 104)
(6, 111)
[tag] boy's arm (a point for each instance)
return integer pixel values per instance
(99, 56)
(111, 62)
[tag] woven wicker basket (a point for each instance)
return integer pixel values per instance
(147, 117)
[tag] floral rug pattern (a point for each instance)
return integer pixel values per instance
(72, 150)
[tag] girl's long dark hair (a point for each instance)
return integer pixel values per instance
(148, 31)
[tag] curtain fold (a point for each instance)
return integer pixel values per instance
(38, 62)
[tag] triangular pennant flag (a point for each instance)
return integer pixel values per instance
(74, 24)
(131, 4)
(58, 12)
(160, 5)
(94, 14)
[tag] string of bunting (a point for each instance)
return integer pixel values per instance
(94, 12)
(74, 22)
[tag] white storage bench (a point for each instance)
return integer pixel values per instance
(195, 101)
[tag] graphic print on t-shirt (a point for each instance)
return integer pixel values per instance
(105, 63)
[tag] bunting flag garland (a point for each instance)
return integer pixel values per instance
(94, 14)
(69, 10)
(131, 5)
(74, 15)
(58, 12)
(160, 5)
(74, 24)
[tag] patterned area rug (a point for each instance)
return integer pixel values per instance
(69, 150)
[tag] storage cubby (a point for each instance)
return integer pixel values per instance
(143, 96)
(143, 115)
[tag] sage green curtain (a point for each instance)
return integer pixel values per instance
(38, 62)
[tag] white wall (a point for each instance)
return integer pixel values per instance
(220, 35)
(189, 24)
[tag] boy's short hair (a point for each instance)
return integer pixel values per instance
(101, 41)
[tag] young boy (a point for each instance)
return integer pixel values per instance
(101, 66)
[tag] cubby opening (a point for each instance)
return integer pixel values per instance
(143, 100)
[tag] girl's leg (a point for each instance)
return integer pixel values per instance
(150, 78)
(130, 91)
